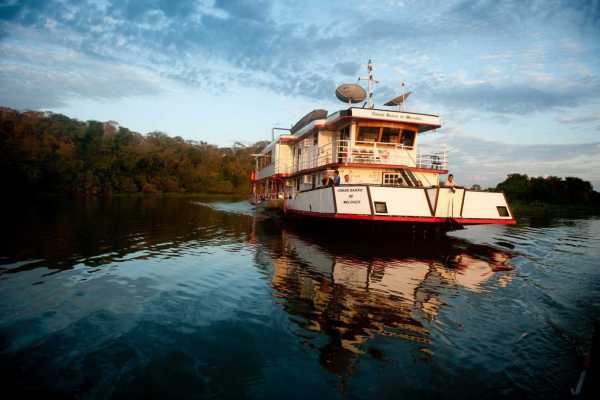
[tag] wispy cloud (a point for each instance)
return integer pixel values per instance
(32, 78)
(176, 36)
(485, 162)
(579, 119)
(518, 98)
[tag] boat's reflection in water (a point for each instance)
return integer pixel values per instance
(353, 289)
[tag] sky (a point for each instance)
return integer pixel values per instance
(516, 82)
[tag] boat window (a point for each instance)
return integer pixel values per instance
(408, 138)
(390, 135)
(392, 178)
(380, 207)
(316, 139)
(367, 134)
(502, 211)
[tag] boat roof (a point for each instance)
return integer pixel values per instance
(423, 122)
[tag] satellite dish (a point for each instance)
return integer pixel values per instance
(308, 118)
(396, 101)
(350, 93)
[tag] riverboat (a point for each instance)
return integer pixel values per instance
(364, 163)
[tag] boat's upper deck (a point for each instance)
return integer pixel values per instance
(355, 137)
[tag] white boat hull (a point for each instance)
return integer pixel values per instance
(402, 204)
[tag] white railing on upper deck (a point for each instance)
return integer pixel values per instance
(359, 153)
(433, 159)
(278, 167)
(369, 153)
(311, 157)
(375, 153)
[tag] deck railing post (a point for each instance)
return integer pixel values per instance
(374, 153)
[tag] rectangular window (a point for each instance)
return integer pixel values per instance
(380, 207)
(390, 135)
(367, 134)
(392, 179)
(408, 138)
(502, 211)
(316, 139)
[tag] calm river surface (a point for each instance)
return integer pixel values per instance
(184, 298)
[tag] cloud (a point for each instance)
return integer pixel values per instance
(517, 98)
(576, 120)
(217, 43)
(31, 78)
(347, 68)
(474, 160)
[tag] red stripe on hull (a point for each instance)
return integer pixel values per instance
(430, 220)
(480, 221)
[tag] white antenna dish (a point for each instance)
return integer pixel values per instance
(397, 101)
(350, 93)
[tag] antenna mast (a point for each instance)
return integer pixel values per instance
(371, 83)
(404, 102)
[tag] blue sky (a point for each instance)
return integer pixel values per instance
(517, 83)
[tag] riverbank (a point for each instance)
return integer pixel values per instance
(540, 209)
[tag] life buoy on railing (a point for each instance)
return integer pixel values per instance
(253, 176)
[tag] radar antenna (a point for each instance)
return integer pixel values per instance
(371, 83)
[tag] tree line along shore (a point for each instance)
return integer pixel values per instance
(50, 153)
(44, 152)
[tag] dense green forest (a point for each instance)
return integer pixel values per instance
(51, 153)
(550, 190)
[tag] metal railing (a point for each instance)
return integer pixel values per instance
(312, 157)
(433, 160)
(375, 153)
(278, 167)
(342, 151)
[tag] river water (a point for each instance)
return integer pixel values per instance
(187, 298)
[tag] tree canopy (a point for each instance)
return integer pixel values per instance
(45, 152)
(550, 189)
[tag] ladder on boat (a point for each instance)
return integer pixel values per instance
(409, 177)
